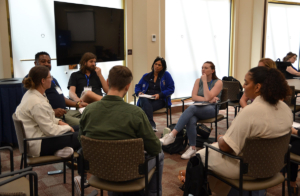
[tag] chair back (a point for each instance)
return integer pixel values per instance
(114, 160)
(291, 99)
(224, 97)
(233, 89)
(20, 131)
(265, 157)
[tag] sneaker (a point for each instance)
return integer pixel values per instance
(154, 129)
(189, 153)
(167, 139)
(66, 152)
(78, 187)
(166, 131)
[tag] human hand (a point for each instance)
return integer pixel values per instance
(214, 100)
(141, 93)
(98, 70)
(59, 112)
(83, 104)
(204, 78)
(72, 130)
(156, 96)
(294, 131)
(62, 123)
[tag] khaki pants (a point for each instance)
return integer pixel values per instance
(72, 117)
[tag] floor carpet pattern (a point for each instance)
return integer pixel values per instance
(52, 185)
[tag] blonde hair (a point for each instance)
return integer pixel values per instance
(288, 56)
(268, 62)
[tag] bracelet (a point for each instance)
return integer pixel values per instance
(77, 104)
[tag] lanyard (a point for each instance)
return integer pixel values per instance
(210, 85)
(87, 80)
(53, 82)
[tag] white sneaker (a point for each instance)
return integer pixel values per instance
(167, 139)
(189, 153)
(66, 152)
(77, 185)
(77, 182)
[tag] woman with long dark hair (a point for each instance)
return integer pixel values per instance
(266, 117)
(158, 83)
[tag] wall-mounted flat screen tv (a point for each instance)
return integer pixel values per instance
(84, 28)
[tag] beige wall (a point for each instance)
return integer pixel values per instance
(146, 17)
(5, 63)
(248, 36)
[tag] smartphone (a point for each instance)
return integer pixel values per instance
(55, 172)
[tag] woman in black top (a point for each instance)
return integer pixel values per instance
(291, 71)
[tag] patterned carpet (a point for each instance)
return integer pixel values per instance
(53, 184)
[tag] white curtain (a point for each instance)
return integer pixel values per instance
(283, 31)
(196, 31)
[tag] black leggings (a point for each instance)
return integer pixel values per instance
(50, 146)
(296, 150)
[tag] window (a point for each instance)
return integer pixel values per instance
(283, 31)
(196, 31)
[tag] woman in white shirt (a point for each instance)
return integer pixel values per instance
(38, 118)
(266, 117)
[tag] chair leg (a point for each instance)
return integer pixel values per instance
(64, 172)
(240, 192)
(170, 115)
(283, 188)
(72, 179)
(235, 111)
(101, 192)
(294, 114)
(167, 118)
(21, 165)
(216, 136)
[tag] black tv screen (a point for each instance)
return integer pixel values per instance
(84, 28)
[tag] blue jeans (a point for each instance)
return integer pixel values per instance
(152, 183)
(190, 117)
(150, 105)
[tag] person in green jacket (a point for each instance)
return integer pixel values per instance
(113, 119)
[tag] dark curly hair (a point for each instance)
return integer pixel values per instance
(273, 84)
(37, 55)
(163, 62)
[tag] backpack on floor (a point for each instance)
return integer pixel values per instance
(179, 144)
(196, 178)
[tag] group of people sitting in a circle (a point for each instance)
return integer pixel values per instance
(266, 117)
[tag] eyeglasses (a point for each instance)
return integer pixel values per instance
(50, 77)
